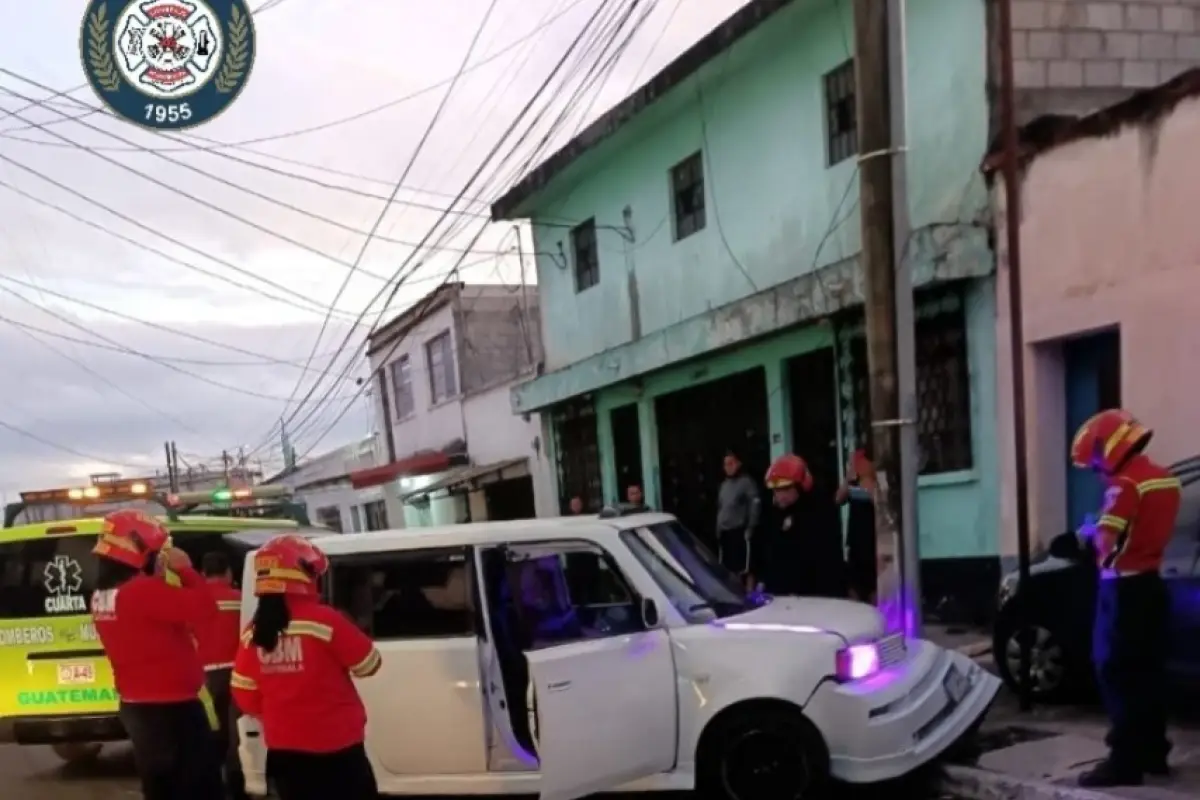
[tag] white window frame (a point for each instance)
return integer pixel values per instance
(404, 402)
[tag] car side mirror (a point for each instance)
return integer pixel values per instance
(650, 617)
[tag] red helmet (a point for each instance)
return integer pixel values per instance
(130, 537)
(1108, 440)
(289, 564)
(788, 471)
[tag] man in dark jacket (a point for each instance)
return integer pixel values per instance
(739, 507)
(858, 492)
(802, 537)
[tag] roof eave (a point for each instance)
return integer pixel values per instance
(516, 203)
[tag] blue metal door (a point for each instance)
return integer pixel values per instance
(1093, 383)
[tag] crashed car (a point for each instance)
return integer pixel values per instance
(586, 654)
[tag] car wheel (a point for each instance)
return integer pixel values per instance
(763, 753)
(77, 752)
(1052, 671)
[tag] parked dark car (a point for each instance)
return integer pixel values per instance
(1055, 611)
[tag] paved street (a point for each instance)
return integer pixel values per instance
(35, 773)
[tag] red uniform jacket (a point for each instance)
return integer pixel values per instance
(302, 691)
(218, 642)
(148, 631)
(1140, 507)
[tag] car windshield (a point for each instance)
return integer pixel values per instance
(687, 571)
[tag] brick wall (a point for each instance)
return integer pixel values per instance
(1073, 56)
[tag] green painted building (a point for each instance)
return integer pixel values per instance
(697, 260)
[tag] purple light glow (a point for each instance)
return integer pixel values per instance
(858, 661)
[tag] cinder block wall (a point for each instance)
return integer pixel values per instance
(1074, 56)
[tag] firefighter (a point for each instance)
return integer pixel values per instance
(148, 628)
(1141, 502)
(218, 647)
(802, 535)
(294, 671)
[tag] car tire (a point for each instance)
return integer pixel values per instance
(762, 752)
(1058, 674)
(77, 752)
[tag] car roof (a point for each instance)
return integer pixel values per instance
(481, 533)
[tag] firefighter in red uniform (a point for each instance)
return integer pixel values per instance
(218, 645)
(148, 628)
(1141, 502)
(802, 535)
(294, 672)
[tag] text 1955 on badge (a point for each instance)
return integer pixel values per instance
(168, 64)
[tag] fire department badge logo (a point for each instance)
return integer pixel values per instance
(167, 64)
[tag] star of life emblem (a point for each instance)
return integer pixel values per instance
(63, 575)
(168, 48)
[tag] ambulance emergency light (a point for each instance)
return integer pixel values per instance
(224, 496)
(111, 492)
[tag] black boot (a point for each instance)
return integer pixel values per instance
(1108, 773)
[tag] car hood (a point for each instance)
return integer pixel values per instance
(1041, 565)
(845, 618)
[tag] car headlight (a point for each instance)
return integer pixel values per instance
(858, 661)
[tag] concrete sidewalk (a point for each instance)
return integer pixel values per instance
(1038, 756)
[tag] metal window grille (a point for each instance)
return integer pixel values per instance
(577, 454)
(439, 354)
(841, 114)
(943, 386)
(402, 393)
(586, 255)
(687, 193)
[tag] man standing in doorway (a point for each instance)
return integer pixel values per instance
(635, 498)
(858, 492)
(575, 506)
(739, 505)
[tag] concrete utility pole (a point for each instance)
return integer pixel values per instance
(1012, 217)
(873, 91)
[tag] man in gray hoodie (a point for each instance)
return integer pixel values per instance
(739, 505)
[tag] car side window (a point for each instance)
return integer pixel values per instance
(418, 594)
(570, 592)
(1185, 541)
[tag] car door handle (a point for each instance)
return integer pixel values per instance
(558, 686)
(1170, 572)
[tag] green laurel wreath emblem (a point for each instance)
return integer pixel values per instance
(237, 52)
(99, 51)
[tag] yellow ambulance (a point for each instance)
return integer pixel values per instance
(56, 686)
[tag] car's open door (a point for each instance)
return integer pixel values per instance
(606, 712)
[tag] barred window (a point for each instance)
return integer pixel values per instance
(586, 255)
(841, 113)
(687, 195)
(577, 452)
(943, 389)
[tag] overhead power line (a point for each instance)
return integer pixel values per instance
(211, 144)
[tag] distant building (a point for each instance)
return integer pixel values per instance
(452, 449)
(322, 483)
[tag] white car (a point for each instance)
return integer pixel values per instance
(576, 655)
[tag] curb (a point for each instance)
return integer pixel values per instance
(981, 784)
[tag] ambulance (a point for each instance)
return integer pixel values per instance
(56, 686)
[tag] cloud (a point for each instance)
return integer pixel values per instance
(318, 61)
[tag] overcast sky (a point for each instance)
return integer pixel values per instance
(99, 406)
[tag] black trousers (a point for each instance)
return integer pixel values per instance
(226, 739)
(1129, 649)
(172, 746)
(733, 550)
(342, 775)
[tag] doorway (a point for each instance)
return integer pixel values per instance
(695, 428)
(627, 448)
(1092, 370)
(812, 386)
(510, 499)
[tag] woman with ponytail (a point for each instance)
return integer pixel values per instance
(294, 672)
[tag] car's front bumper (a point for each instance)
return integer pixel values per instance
(889, 725)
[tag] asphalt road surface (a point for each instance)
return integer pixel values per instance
(35, 773)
